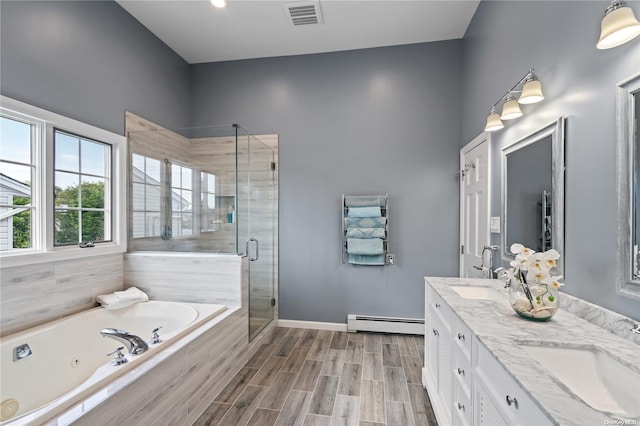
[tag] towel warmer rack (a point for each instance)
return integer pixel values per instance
(383, 203)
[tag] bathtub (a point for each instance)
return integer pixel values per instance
(69, 360)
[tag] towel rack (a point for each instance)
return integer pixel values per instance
(381, 201)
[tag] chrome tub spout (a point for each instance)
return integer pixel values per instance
(135, 344)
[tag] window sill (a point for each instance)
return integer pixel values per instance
(59, 254)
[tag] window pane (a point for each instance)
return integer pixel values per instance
(211, 201)
(152, 170)
(176, 200)
(138, 196)
(175, 224)
(93, 226)
(66, 189)
(211, 183)
(15, 183)
(93, 158)
(187, 200)
(176, 176)
(138, 168)
(21, 229)
(93, 192)
(153, 197)
(186, 178)
(153, 224)
(66, 225)
(187, 227)
(137, 225)
(15, 141)
(67, 152)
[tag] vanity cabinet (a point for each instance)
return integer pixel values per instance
(466, 384)
(437, 376)
(501, 395)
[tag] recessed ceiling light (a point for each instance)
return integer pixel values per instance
(219, 3)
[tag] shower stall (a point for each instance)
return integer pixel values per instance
(208, 189)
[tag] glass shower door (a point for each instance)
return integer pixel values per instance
(260, 242)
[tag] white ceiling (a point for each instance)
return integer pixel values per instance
(245, 29)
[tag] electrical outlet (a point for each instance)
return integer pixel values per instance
(391, 259)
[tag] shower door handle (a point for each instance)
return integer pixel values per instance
(253, 259)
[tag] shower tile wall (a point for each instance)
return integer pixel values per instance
(36, 294)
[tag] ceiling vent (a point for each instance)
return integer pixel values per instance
(303, 13)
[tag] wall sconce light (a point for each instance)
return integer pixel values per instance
(530, 90)
(618, 26)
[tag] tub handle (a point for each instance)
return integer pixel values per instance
(119, 357)
(155, 337)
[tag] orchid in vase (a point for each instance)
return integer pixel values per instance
(534, 291)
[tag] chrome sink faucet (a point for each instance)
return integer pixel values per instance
(635, 329)
(135, 344)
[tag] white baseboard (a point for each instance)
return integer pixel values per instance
(334, 326)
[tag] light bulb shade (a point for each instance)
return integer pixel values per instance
(618, 27)
(219, 3)
(511, 110)
(493, 123)
(531, 93)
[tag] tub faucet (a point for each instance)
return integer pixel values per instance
(136, 344)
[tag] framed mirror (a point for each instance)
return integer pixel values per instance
(533, 192)
(628, 166)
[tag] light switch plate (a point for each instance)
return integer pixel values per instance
(494, 225)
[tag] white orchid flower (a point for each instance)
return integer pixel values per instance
(554, 282)
(516, 248)
(538, 275)
(550, 258)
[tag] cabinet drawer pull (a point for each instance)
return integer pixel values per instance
(460, 406)
(460, 336)
(460, 371)
(435, 332)
(438, 305)
(513, 401)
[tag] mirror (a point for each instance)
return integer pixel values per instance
(533, 192)
(628, 166)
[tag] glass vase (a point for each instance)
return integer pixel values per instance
(534, 301)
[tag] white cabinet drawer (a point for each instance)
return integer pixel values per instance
(462, 371)
(508, 397)
(463, 337)
(439, 307)
(462, 412)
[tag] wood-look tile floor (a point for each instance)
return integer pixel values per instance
(318, 377)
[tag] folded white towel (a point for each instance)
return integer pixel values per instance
(122, 299)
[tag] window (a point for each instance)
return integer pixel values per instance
(82, 188)
(146, 176)
(17, 172)
(207, 202)
(62, 182)
(181, 200)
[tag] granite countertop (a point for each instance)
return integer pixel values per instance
(501, 331)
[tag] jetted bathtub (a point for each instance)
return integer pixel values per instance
(69, 361)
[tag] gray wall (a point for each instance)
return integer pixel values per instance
(558, 39)
(91, 61)
(370, 121)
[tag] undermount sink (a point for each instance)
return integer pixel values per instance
(598, 379)
(478, 293)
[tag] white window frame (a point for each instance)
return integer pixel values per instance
(195, 188)
(43, 249)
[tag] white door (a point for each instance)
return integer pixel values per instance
(475, 177)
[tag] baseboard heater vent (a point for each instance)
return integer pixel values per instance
(384, 324)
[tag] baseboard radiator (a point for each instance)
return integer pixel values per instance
(357, 323)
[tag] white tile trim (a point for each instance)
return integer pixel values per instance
(334, 326)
